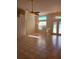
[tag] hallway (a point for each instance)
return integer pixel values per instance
(39, 47)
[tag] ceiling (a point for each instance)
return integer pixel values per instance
(43, 6)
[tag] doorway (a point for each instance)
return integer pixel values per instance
(56, 26)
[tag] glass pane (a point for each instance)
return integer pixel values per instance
(60, 27)
(58, 17)
(42, 18)
(54, 27)
(42, 25)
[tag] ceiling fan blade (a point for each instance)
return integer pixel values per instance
(36, 12)
(20, 11)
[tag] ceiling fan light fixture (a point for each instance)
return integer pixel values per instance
(32, 14)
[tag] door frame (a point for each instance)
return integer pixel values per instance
(57, 29)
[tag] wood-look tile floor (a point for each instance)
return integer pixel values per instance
(39, 47)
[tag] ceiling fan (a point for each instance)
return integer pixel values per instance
(20, 12)
(32, 11)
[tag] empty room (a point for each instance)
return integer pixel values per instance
(39, 29)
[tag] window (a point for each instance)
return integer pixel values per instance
(42, 18)
(60, 27)
(58, 17)
(54, 27)
(57, 23)
(42, 23)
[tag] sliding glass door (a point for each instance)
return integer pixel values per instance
(56, 26)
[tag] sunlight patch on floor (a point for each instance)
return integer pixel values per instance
(33, 36)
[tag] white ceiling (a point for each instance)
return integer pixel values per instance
(43, 6)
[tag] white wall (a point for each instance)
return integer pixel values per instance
(21, 26)
(29, 23)
(25, 25)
